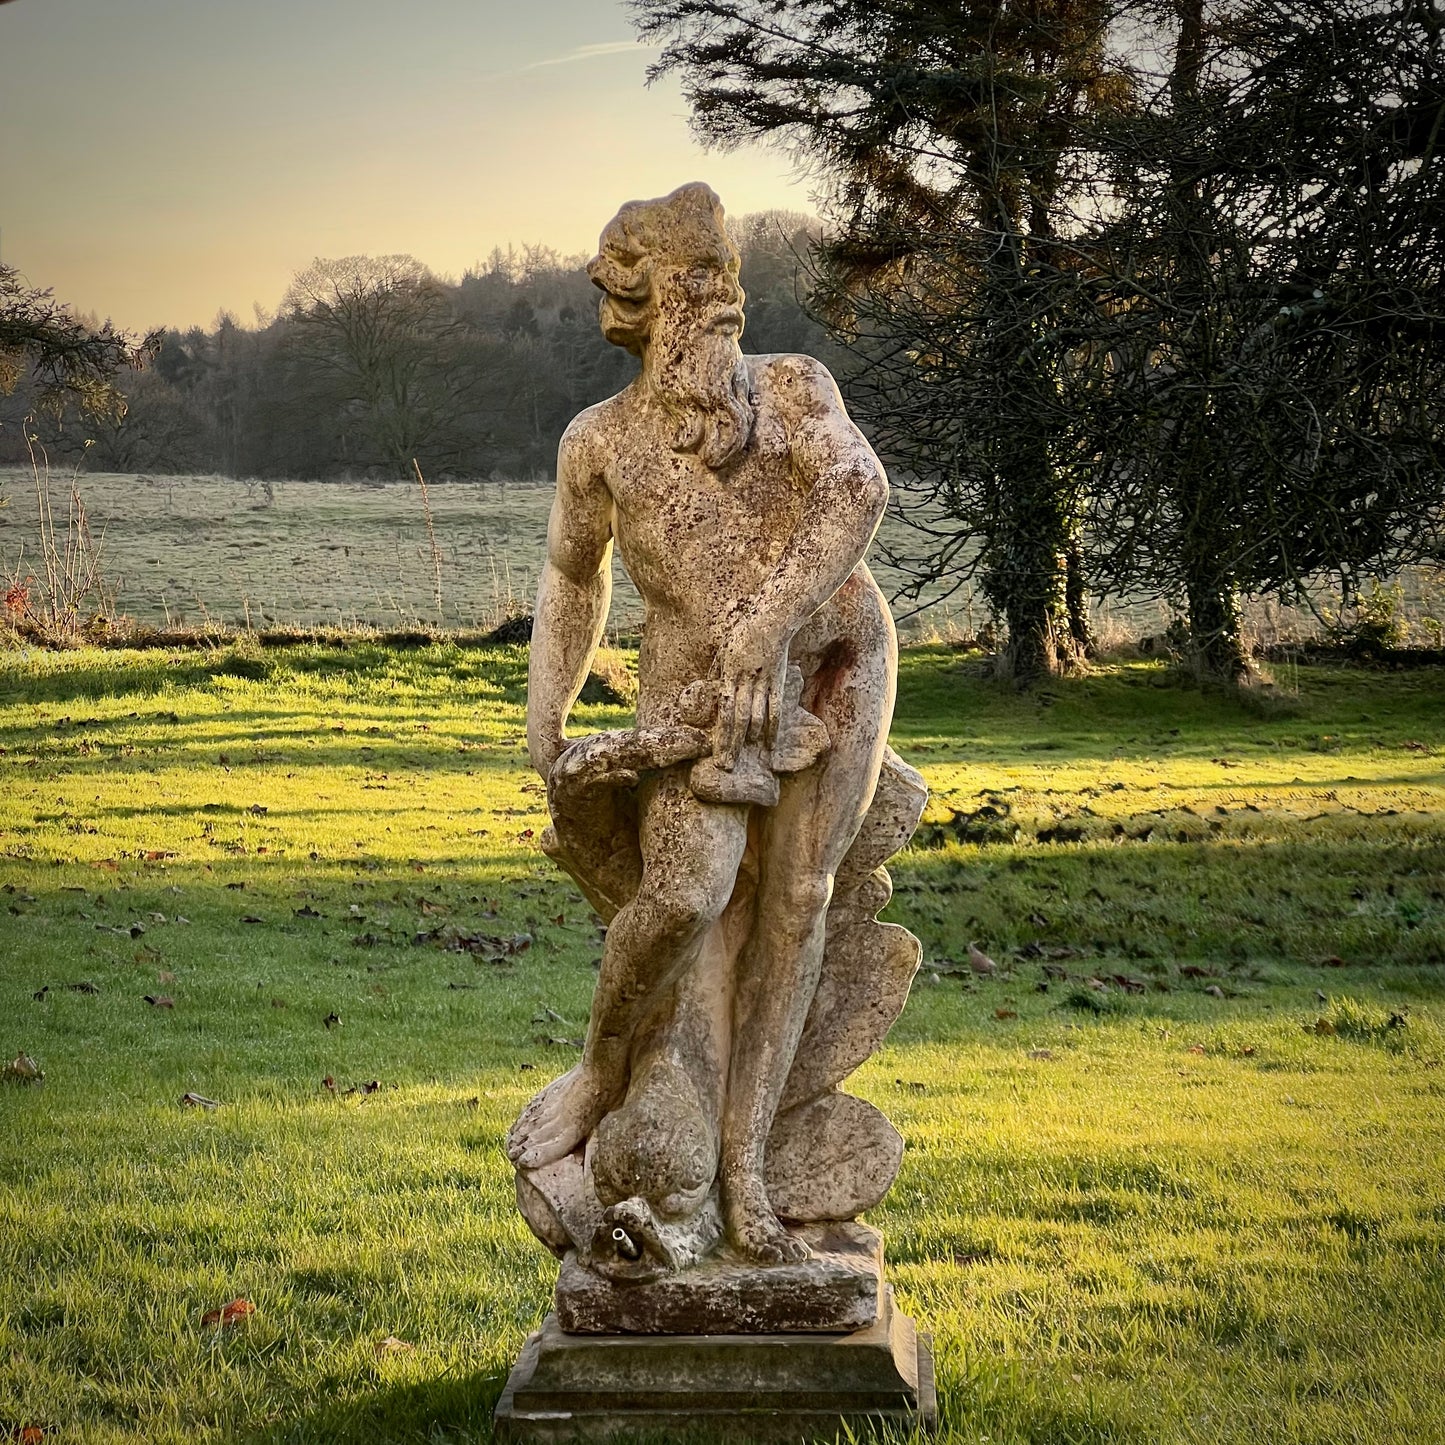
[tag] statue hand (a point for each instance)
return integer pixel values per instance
(753, 665)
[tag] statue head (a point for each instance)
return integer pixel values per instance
(669, 277)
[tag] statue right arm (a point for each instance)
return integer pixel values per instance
(572, 597)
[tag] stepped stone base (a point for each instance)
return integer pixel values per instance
(784, 1387)
(836, 1290)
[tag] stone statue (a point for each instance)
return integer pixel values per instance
(733, 840)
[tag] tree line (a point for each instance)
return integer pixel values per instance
(367, 363)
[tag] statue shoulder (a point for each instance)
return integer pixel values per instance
(587, 426)
(590, 437)
(793, 377)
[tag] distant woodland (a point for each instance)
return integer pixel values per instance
(370, 361)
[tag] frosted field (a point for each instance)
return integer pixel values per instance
(185, 550)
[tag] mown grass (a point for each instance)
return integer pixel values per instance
(1131, 1209)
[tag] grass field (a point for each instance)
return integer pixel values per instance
(1175, 1174)
(192, 550)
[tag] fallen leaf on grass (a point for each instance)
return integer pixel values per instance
(23, 1069)
(1247, 1050)
(229, 1314)
(1005, 1013)
(1041, 1053)
(251, 918)
(1195, 1049)
(198, 1101)
(1324, 1026)
(1333, 961)
(1192, 970)
(306, 911)
(40, 993)
(486, 947)
(331, 1020)
(393, 1346)
(84, 986)
(1214, 991)
(160, 1000)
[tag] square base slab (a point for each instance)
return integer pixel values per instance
(838, 1289)
(746, 1387)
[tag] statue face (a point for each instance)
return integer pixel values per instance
(669, 275)
(702, 296)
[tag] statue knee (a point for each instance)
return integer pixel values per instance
(683, 911)
(805, 898)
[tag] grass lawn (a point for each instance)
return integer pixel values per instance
(1176, 1173)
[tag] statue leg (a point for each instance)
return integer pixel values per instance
(690, 856)
(803, 841)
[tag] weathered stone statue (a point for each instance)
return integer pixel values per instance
(734, 839)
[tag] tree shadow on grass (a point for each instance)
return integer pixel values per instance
(440, 1410)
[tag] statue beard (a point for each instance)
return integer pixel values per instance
(701, 379)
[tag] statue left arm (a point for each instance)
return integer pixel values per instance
(847, 494)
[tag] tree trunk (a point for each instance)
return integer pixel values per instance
(1026, 573)
(1216, 629)
(1076, 600)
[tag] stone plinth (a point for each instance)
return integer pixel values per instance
(739, 1386)
(838, 1289)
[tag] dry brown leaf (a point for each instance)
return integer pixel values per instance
(1005, 1013)
(229, 1314)
(23, 1068)
(393, 1346)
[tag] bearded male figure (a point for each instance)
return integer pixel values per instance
(742, 500)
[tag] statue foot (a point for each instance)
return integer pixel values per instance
(558, 1119)
(753, 1229)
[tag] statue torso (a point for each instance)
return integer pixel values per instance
(697, 542)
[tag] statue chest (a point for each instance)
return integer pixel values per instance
(679, 523)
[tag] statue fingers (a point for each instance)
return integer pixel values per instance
(758, 717)
(732, 721)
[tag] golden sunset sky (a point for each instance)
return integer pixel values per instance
(163, 160)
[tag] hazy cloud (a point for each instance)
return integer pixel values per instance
(591, 52)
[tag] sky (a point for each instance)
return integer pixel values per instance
(164, 160)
